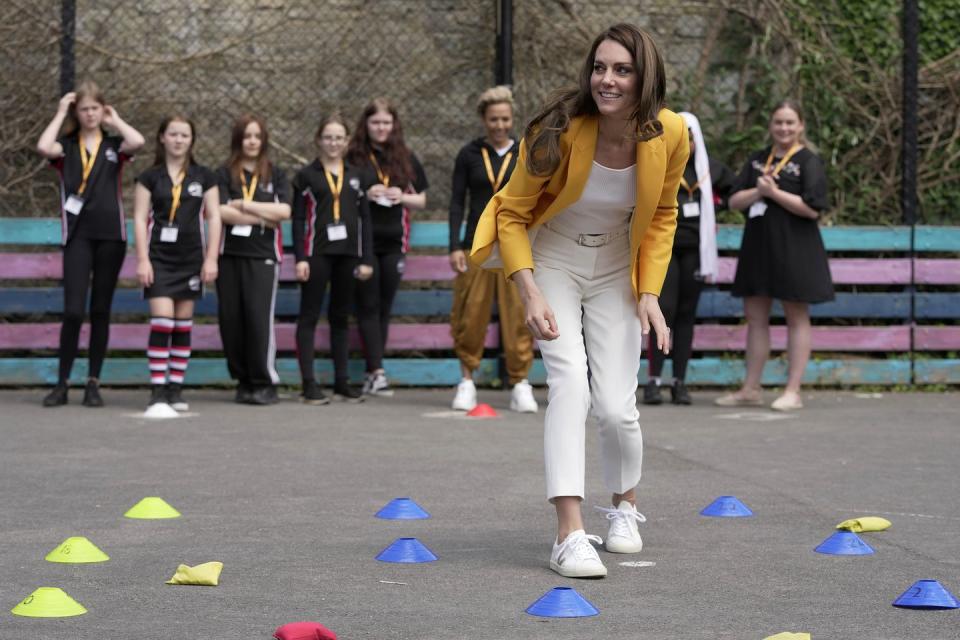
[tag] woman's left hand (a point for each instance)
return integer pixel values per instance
(394, 194)
(650, 316)
(363, 272)
(766, 185)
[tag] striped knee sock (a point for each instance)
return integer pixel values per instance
(180, 350)
(158, 348)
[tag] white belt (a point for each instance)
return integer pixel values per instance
(590, 239)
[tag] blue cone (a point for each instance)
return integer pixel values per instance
(402, 509)
(927, 594)
(727, 507)
(562, 602)
(844, 543)
(407, 551)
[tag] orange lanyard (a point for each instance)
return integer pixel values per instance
(248, 193)
(783, 161)
(495, 183)
(175, 191)
(87, 160)
(335, 188)
(384, 179)
(686, 185)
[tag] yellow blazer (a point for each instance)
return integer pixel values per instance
(527, 201)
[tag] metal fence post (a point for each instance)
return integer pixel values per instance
(908, 156)
(503, 73)
(68, 61)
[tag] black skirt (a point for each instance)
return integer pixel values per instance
(177, 279)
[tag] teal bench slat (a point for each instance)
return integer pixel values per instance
(446, 372)
(944, 371)
(434, 234)
(720, 304)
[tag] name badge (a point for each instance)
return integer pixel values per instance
(757, 209)
(336, 232)
(242, 230)
(384, 201)
(73, 205)
(169, 234)
(691, 210)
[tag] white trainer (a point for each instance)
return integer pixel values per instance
(376, 385)
(466, 398)
(575, 557)
(521, 398)
(623, 536)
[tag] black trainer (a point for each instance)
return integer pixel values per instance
(91, 394)
(264, 395)
(343, 392)
(679, 393)
(57, 396)
(158, 395)
(175, 397)
(244, 393)
(312, 394)
(651, 393)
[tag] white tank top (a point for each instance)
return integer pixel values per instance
(605, 205)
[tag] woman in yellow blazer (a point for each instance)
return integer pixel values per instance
(585, 228)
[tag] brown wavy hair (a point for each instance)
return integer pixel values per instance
(264, 168)
(542, 134)
(397, 157)
(86, 89)
(160, 154)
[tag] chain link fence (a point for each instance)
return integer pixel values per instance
(293, 60)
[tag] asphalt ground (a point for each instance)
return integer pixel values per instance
(285, 497)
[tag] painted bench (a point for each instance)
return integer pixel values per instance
(864, 337)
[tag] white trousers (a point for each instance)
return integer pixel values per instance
(591, 295)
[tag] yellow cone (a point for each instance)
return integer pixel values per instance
(152, 508)
(866, 523)
(48, 602)
(77, 550)
(787, 635)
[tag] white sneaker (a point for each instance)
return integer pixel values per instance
(575, 557)
(466, 398)
(521, 398)
(376, 385)
(623, 536)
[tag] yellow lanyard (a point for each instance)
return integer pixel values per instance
(87, 160)
(686, 185)
(175, 191)
(335, 190)
(248, 193)
(503, 168)
(783, 161)
(385, 180)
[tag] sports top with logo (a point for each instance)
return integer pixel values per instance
(391, 223)
(256, 242)
(313, 214)
(782, 254)
(98, 212)
(176, 234)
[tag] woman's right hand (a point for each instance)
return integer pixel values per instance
(303, 271)
(458, 261)
(145, 273)
(376, 191)
(65, 102)
(539, 317)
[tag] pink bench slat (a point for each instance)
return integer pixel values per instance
(937, 338)
(846, 270)
(403, 337)
(707, 337)
(937, 271)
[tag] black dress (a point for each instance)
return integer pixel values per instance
(782, 254)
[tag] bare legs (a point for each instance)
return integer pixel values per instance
(569, 517)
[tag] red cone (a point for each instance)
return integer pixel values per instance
(482, 410)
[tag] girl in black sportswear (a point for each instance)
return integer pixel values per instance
(175, 258)
(395, 183)
(332, 241)
(254, 199)
(90, 165)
